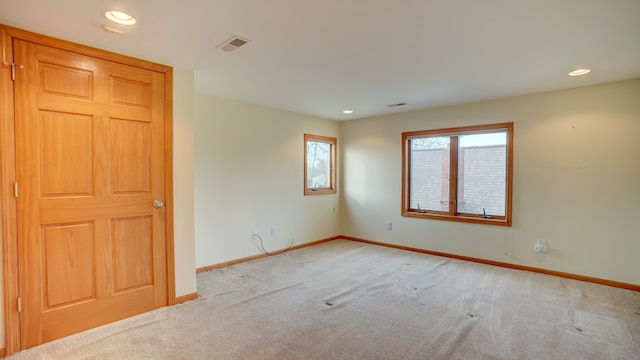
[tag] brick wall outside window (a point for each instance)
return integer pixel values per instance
(481, 182)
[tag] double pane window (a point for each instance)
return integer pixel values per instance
(461, 174)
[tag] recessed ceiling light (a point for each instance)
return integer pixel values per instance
(112, 30)
(581, 71)
(120, 17)
(347, 111)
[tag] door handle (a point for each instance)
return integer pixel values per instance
(158, 204)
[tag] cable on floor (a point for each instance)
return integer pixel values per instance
(275, 253)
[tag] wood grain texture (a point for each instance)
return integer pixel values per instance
(128, 92)
(66, 154)
(130, 152)
(131, 240)
(187, 297)
(7, 200)
(68, 256)
(58, 263)
(65, 81)
(61, 95)
(75, 166)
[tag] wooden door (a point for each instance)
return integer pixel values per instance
(90, 163)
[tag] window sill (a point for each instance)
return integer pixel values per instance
(459, 218)
(309, 191)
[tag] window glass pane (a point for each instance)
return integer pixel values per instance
(482, 174)
(429, 174)
(318, 164)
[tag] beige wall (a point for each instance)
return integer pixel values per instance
(576, 181)
(249, 176)
(183, 208)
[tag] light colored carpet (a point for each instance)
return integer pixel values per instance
(347, 300)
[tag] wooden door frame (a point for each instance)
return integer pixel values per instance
(8, 203)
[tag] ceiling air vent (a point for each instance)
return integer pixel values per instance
(396, 105)
(232, 43)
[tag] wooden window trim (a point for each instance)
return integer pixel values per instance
(333, 142)
(452, 214)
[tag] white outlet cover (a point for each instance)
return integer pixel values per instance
(541, 249)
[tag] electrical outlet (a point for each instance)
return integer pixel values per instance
(541, 246)
(273, 231)
(389, 226)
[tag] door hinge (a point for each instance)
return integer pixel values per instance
(15, 189)
(13, 68)
(19, 304)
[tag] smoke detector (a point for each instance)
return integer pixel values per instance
(232, 43)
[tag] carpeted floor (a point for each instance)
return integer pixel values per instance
(347, 300)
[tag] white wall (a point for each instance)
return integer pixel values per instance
(249, 176)
(576, 181)
(183, 193)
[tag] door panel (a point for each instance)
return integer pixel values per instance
(66, 81)
(130, 174)
(90, 162)
(66, 151)
(68, 258)
(132, 245)
(130, 92)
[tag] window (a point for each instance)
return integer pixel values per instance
(319, 165)
(460, 174)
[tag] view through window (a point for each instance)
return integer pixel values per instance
(461, 174)
(319, 164)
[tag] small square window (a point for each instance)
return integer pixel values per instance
(319, 165)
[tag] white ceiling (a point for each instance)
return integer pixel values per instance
(320, 57)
